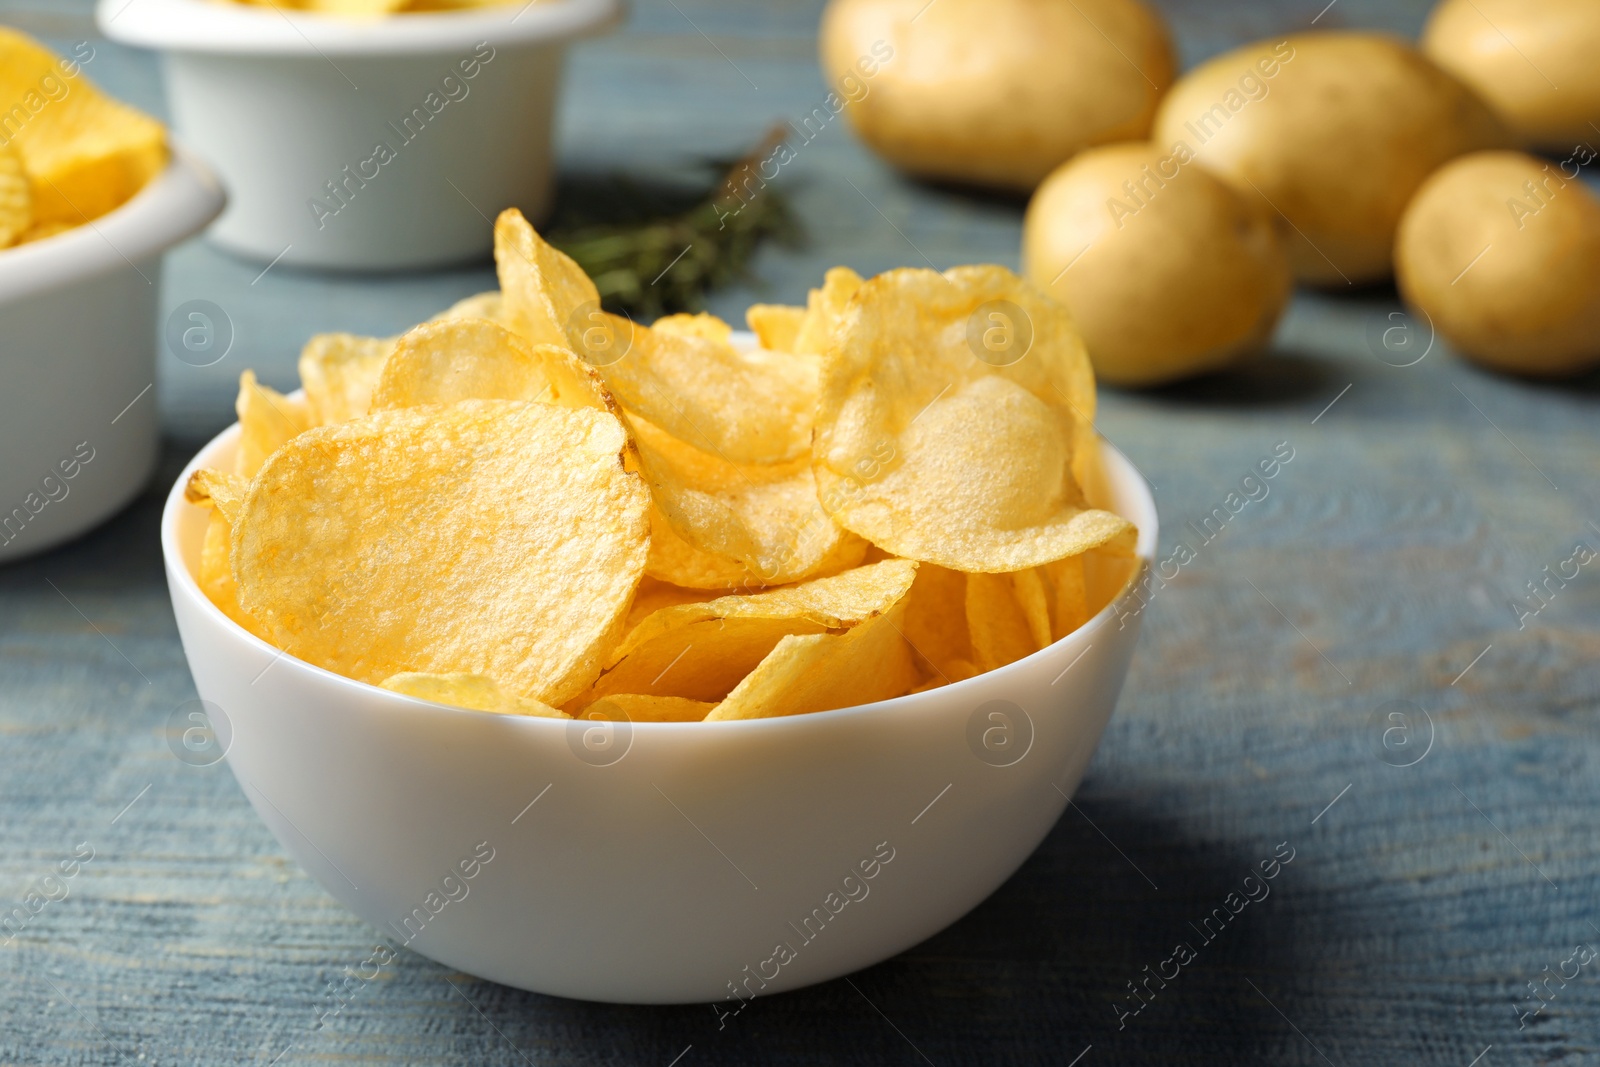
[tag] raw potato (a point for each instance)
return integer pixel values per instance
(996, 92)
(1532, 60)
(1530, 304)
(1179, 276)
(1331, 131)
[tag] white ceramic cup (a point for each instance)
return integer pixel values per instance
(373, 144)
(79, 428)
(650, 862)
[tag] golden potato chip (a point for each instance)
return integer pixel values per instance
(702, 325)
(478, 692)
(703, 650)
(215, 576)
(936, 454)
(641, 707)
(490, 305)
(766, 517)
(653, 595)
(745, 407)
(43, 230)
(775, 325)
(999, 625)
(542, 288)
(1069, 595)
(936, 620)
(339, 372)
(817, 672)
(84, 153)
(825, 310)
(221, 490)
(267, 419)
(676, 561)
(1029, 588)
(475, 359)
(487, 537)
(16, 197)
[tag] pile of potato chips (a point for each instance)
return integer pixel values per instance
(67, 154)
(529, 505)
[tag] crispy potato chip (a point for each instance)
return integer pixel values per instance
(487, 537)
(745, 407)
(817, 672)
(1069, 596)
(653, 595)
(478, 692)
(936, 620)
(215, 576)
(703, 650)
(825, 310)
(1032, 597)
(219, 489)
(766, 517)
(475, 359)
(16, 197)
(676, 561)
(775, 325)
(339, 372)
(998, 623)
(84, 153)
(702, 325)
(543, 289)
(267, 419)
(935, 454)
(490, 305)
(641, 707)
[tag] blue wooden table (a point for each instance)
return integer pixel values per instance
(1340, 675)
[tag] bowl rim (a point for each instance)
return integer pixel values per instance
(172, 207)
(221, 27)
(182, 582)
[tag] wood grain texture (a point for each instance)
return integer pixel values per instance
(1417, 906)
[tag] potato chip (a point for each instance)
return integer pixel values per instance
(674, 560)
(641, 707)
(267, 419)
(490, 305)
(16, 197)
(543, 289)
(703, 650)
(935, 454)
(1069, 595)
(83, 152)
(339, 372)
(766, 517)
(936, 620)
(218, 489)
(487, 537)
(40, 231)
(475, 359)
(817, 672)
(477, 692)
(705, 326)
(653, 595)
(744, 407)
(825, 310)
(215, 575)
(1029, 588)
(775, 325)
(998, 623)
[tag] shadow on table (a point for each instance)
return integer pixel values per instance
(1035, 974)
(1277, 378)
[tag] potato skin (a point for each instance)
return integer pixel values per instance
(1182, 275)
(1531, 304)
(1050, 79)
(1335, 141)
(1533, 61)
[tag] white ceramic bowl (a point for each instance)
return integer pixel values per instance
(78, 422)
(291, 107)
(654, 862)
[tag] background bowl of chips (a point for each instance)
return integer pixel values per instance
(79, 426)
(653, 862)
(376, 143)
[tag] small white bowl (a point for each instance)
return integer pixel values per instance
(652, 862)
(79, 427)
(291, 107)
